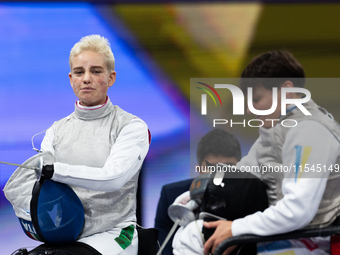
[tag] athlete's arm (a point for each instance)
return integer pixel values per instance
(302, 195)
(125, 159)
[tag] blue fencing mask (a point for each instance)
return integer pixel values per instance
(57, 213)
(48, 211)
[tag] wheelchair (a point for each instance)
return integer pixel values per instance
(147, 245)
(333, 230)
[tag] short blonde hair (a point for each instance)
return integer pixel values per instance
(95, 43)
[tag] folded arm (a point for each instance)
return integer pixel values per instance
(125, 159)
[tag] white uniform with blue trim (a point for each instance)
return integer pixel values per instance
(301, 196)
(296, 201)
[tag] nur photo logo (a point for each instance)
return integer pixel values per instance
(240, 100)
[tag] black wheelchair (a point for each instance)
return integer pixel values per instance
(147, 245)
(332, 230)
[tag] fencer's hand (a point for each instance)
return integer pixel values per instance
(47, 171)
(223, 231)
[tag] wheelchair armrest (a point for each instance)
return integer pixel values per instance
(303, 233)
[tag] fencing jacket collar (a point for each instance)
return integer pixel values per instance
(90, 113)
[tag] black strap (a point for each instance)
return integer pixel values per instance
(75, 248)
(48, 171)
(34, 207)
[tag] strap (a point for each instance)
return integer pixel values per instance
(76, 248)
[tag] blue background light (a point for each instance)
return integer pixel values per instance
(35, 41)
